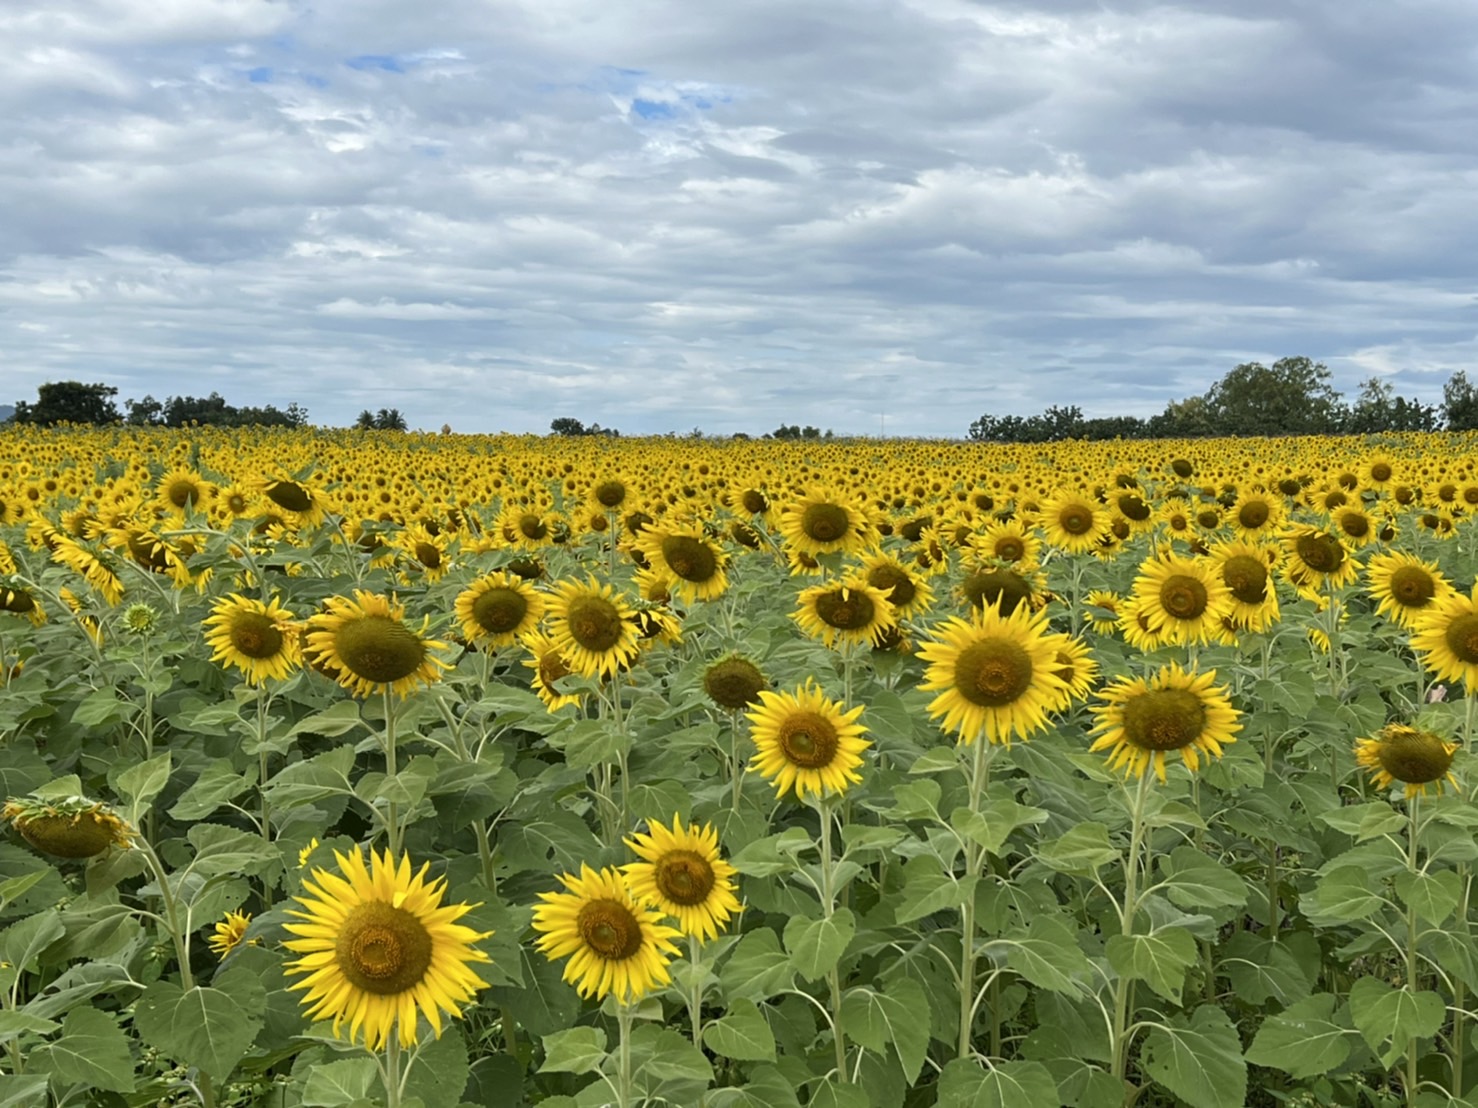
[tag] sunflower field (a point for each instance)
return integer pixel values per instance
(343, 769)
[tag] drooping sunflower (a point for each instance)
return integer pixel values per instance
(997, 675)
(1420, 760)
(226, 936)
(366, 646)
(850, 611)
(1246, 570)
(67, 827)
(1316, 560)
(1140, 721)
(19, 601)
(614, 943)
(1006, 588)
(498, 608)
(593, 627)
(695, 564)
(656, 624)
(1184, 599)
(1404, 586)
(306, 506)
(549, 666)
(807, 742)
(1445, 638)
(683, 874)
(1074, 522)
(734, 683)
(256, 637)
(426, 553)
(378, 947)
(826, 522)
(909, 594)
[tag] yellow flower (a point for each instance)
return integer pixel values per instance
(367, 647)
(806, 742)
(850, 611)
(593, 627)
(1446, 638)
(1420, 760)
(1140, 721)
(825, 522)
(614, 944)
(1182, 598)
(682, 873)
(694, 564)
(549, 666)
(498, 609)
(1073, 522)
(253, 636)
(378, 947)
(229, 933)
(1405, 587)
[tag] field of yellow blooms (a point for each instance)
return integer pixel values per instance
(343, 769)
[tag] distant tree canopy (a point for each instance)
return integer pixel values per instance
(1293, 396)
(75, 402)
(386, 419)
(573, 428)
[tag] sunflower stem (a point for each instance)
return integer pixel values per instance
(828, 907)
(623, 1056)
(391, 1072)
(979, 778)
(1457, 1045)
(485, 856)
(262, 702)
(1120, 1045)
(1412, 968)
(736, 772)
(695, 991)
(392, 815)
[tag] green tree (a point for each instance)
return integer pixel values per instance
(1459, 403)
(1294, 396)
(69, 402)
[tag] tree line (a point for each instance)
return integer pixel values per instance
(76, 402)
(1293, 396)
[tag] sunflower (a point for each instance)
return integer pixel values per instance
(1007, 541)
(1445, 638)
(1353, 525)
(1098, 602)
(377, 946)
(608, 494)
(684, 553)
(1246, 570)
(525, 528)
(1140, 720)
(1004, 588)
(910, 595)
(305, 505)
(255, 637)
(1255, 514)
(549, 666)
(426, 553)
(1378, 471)
(734, 683)
(850, 611)
(1183, 599)
(367, 647)
(19, 601)
(228, 934)
(1420, 760)
(1316, 560)
(182, 490)
(655, 624)
(593, 626)
(1404, 587)
(614, 943)
(806, 742)
(1074, 522)
(826, 522)
(1075, 664)
(69, 827)
(234, 502)
(498, 608)
(998, 675)
(682, 873)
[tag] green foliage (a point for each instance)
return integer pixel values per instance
(69, 402)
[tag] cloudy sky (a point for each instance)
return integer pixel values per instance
(662, 214)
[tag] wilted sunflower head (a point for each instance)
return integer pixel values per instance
(734, 683)
(67, 827)
(1420, 760)
(1004, 589)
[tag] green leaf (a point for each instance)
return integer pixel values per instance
(225, 850)
(1364, 821)
(219, 783)
(757, 968)
(963, 1084)
(831, 1093)
(1047, 955)
(143, 782)
(1195, 881)
(1386, 1015)
(594, 742)
(23, 942)
(101, 708)
(1199, 1060)
(1261, 969)
(816, 945)
(1160, 959)
(671, 1066)
(775, 854)
(1081, 851)
(13, 1024)
(201, 1027)
(992, 825)
(767, 1088)
(1303, 1040)
(337, 719)
(17, 887)
(576, 1050)
(91, 1050)
(438, 1076)
(928, 889)
(742, 1034)
(1433, 896)
(905, 1010)
(334, 1084)
(1341, 895)
(28, 1091)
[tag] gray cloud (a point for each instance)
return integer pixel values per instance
(659, 215)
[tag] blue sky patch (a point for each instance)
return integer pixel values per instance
(261, 75)
(387, 62)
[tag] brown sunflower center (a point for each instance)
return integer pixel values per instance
(825, 522)
(1075, 519)
(182, 491)
(551, 668)
(1354, 524)
(610, 929)
(808, 740)
(1010, 549)
(691, 559)
(1413, 587)
(1380, 471)
(595, 623)
(1461, 637)
(894, 583)
(532, 527)
(610, 493)
(16, 600)
(1134, 507)
(63, 836)
(378, 648)
(1253, 514)
(993, 673)
(1183, 596)
(1208, 518)
(428, 555)
(754, 501)
(255, 635)
(684, 877)
(383, 950)
(733, 683)
(289, 495)
(1164, 719)
(1321, 553)
(1412, 756)
(236, 503)
(1289, 486)
(846, 609)
(1247, 577)
(1182, 467)
(500, 610)
(999, 586)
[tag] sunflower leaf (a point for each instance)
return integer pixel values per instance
(575, 1050)
(1433, 896)
(1341, 895)
(1081, 851)
(742, 1034)
(201, 1026)
(1199, 1060)
(1390, 1017)
(757, 968)
(1160, 959)
(1048, 955)
(142, 783)
(91, 1050)
(1193, 880)
(1303, 1040)
(816, 945)
(963, 1084)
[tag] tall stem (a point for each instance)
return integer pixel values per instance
(828, 907)
(262, 702)
(1412, 967)
(392, 1068)
(695, 990)
(623, 1057)
(392, 814)
(1127, 913)
(979, 776)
